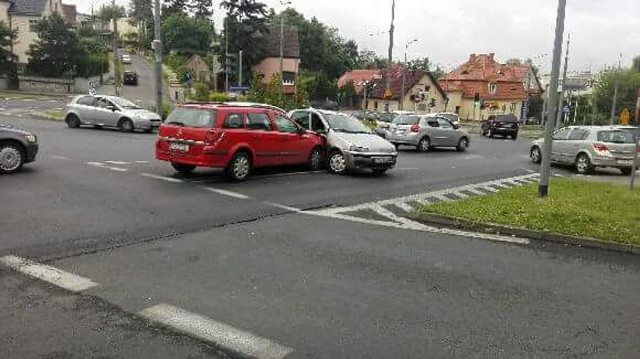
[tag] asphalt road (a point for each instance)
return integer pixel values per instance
(97, 204)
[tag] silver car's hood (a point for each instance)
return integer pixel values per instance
(371, 141)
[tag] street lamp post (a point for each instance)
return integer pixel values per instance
(404, 73)
(282, 3)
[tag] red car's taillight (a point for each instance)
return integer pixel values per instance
(415, 128)
(210, 137)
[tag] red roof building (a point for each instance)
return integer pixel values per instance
(358, 77)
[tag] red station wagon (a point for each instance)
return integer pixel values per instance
(236, 137)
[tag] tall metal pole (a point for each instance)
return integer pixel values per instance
(390, 59)
(612, 119)
(157, 48)
(545, 171)
(116, 56)
(404, 73)
(560, 112)
(240, 53)
(226, 53)
(282, 53)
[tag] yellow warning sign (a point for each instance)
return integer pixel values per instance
(625, 117)
(388, 95)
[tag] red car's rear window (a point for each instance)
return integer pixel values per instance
(192, 117)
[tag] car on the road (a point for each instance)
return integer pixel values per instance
(454, 118)
(588, 147)
(349, 143)
(130, 78)
(382, 123)
(125, 58)
(506, 125)
(17, 147)
(236, 137)
(109, 111)
(427, 132)
(633, 129)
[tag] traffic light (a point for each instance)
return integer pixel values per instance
(476, 98)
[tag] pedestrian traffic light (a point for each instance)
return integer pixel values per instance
(476, 97)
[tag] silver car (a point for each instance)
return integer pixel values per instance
(109, 111)
(427, 132)
(588, 147)
(350, 144)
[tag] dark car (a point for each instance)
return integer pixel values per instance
(500, 125)
(130, 78)
(17, 147)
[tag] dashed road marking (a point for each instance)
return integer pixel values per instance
(223, 335)
(117, 162)
(60, 158)
(227, 193)
(55, 276)
(103, 165)
(163, 178)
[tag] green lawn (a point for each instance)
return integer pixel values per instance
(574, 207)
(56, 115)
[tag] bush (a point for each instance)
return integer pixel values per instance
(94, 65)
(166, 110)
(219, 97)
(202, 92)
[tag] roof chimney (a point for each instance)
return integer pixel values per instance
(473, 56)
(491, 55)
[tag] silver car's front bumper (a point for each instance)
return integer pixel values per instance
(370, 159)
(411, 138)
(147, 124)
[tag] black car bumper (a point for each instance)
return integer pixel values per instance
(31, 152)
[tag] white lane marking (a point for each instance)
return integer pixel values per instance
(117, 169)
(55, 276)
(96, 164)
(163, 178)
(227, 193)
(404, 206)
(473, 157)
(405, 223)
(282, 206)
(406, 169)
(61, 158)
(143, 161)
(223, 335)
(116, 162)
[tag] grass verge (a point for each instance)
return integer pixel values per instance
(574, 207)
(55, 115)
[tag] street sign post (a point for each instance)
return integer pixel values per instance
(625, 116)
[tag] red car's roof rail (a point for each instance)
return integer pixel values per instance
(236, 104)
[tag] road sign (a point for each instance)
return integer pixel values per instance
(625, 117)
(388, 95)
(238, 88)
(566, 109)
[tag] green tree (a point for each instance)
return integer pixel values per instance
(174, 7)
(141, 14)
(246, 28)
(8, 60)
(202, 8)
(57, 52)
(108, 13)
(629, 83)
(347, 95)
(370, 60)
(636, 63)
(186, 35)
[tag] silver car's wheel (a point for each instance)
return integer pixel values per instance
(583, 164)
(337, 163)
(463, 144)
(535, 155)
(126, 125)
(240, 167)
(424, 144)
(11, 158)
(72, 121)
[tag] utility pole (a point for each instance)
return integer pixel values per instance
(116, 56)
(545, 103)
(612, 119)
(240, 67)
(560, 113)
(404, 73)
(157, 49)
(226, 53)
(390, 59)
(545, 171)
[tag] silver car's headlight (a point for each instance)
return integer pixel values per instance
(31, 138)
(355, 148)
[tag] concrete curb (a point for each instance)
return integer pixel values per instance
(460, 223)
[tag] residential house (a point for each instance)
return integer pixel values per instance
(199, 69)
(422, 93)
(290, 61)
(23, 16)
(501, 88)
(359, 78)
(70, 14)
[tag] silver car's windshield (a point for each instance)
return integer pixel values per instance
(344, 123)
(126, 104)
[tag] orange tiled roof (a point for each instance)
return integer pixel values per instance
(411, 79)
(357, 76)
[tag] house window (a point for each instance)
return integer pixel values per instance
(288, 78)
(492, 88)
(375, 105)
(32, 25)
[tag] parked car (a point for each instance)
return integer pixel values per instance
(633, 129)
(17, 147)
(501, 125)
(588, 147)
(383, 122)
(454, 118)
(125, 58)
(237, 137)
(427, 132)
(109, 111)
(349, 143)
(130, 78)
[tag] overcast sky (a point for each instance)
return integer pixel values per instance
(448, 31)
